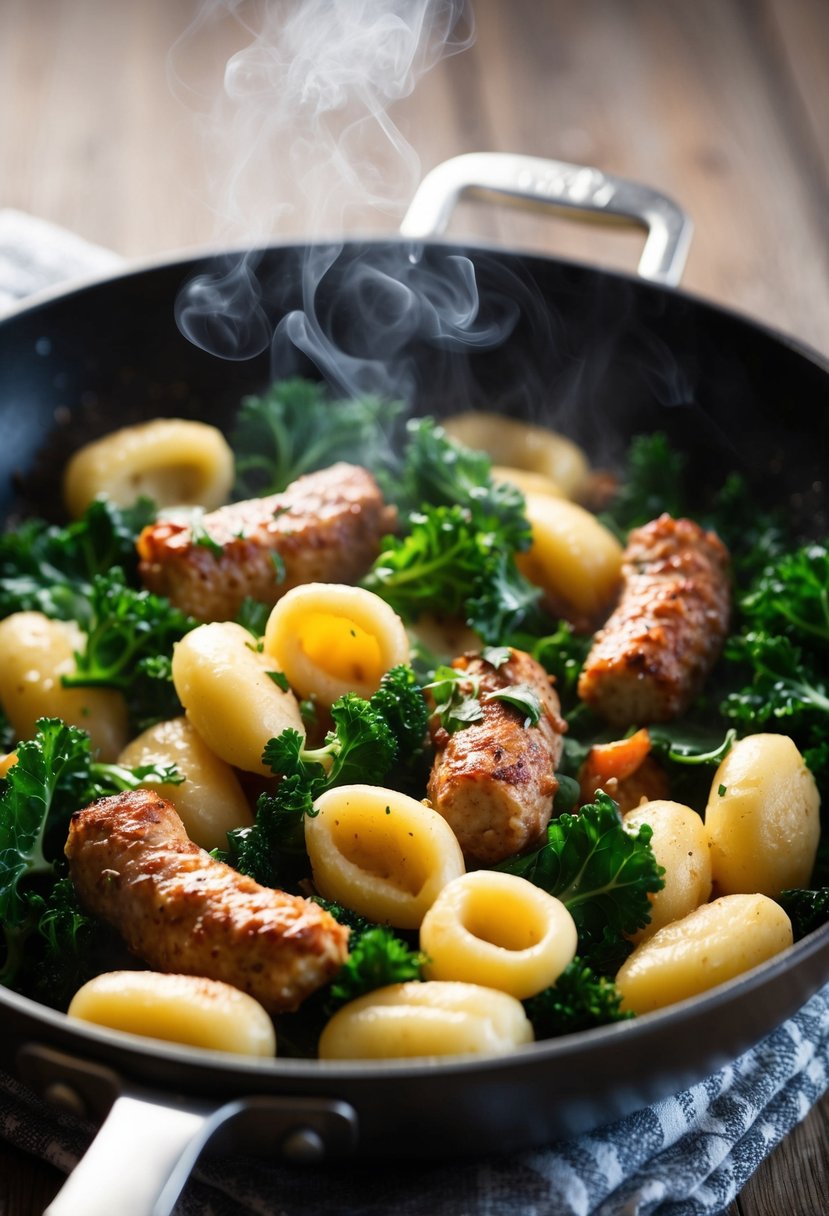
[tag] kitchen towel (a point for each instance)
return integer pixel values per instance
(686, 1156)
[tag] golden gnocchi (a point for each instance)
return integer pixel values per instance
(210, 800)
(227, 687)
(330, 639)
(177, 1008)
(523, 446)
(498, 930)
(712, 944)
(426, 1019)
(35, 652)
(573, 557)
(173, 461)
(681, 846)
(763, 817)
(383, 854)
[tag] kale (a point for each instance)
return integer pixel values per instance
(753, 536)
(433, 565)
(368, 737)
(55, 774)
(125, 627)
(601, 872)
(459, 700)
(791, 596)
(376, 957)
(783, 692)
(461, 532)
(653, 483)
(51, 569)
(360, 747)
(442, 472)
(579, 1000)
(445, 563)
(295, 428)
(806, 909)
(679, 743)
(562, 653)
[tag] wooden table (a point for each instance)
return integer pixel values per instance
(112, 126)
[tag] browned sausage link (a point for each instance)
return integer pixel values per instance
(180, 910)
(652, 656)
(325, 527)
(494, 781)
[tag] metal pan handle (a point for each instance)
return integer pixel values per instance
(148, 1144)
(577, 188)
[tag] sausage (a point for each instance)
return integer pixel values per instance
(494, 780)
(182, 911)
(652, 656)
(325, 527)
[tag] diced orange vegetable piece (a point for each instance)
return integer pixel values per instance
(615, 762)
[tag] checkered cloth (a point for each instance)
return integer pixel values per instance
(686, 1156)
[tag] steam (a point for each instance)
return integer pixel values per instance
(316, 78)
(320, 78)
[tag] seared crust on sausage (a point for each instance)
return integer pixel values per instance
(325, 527)
(654, 653)
(494, 780)
(180, 910)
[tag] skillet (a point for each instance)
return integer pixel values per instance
(600, 356)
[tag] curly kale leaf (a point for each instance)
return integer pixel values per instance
(360, 747)
(653, 482)
(125, 627)
(807, 909)
(753, 536)
(376, 957)
(51, 569)
(129, 644)
(368, 738)
(602, 873)
(434, 564)
(462, 530)
(579, 1000)
(440, 471)
(446, 563)
(784, 692)
(295, 428)
(791, 596)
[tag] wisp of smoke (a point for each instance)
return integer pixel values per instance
(315, 82)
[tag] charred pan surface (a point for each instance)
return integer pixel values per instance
(494, 781)
(325, 527)
(181, 911)
(654, 653)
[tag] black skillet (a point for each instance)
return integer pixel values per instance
(597, 355)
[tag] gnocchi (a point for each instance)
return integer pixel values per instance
(210, 799)
(712, 944)
(763, 817)
(173, 461)
(498, 930)
(35, 652)
(383, 854)
(573, 557)
(681, 846)
(527, 481)
(177, 1008)
(523, 445)
(426, 1019)
(227, 688)
(331, 639)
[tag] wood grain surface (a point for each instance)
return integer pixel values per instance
(113, 125)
